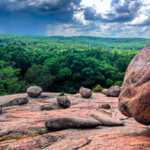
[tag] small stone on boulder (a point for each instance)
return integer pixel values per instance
(86, 93)
(69, 121)
(63, 101)
(34, 91)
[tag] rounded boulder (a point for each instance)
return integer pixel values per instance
(34, 91)
(105, 92)
(86, 93)
(113, 91)
(63, 101)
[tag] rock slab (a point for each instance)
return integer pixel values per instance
(13, 101)
(71, 121)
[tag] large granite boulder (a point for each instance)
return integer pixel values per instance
(113, 91)
(34, 91)
(134, 100)
(86, 93)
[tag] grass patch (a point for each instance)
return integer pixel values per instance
(17, 137)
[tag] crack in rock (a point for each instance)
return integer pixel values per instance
(87, 143)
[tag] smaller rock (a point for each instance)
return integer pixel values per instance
(105, 106)
(69, 121)
(34, 91)
(86, 93)
(1, 110)
(105, 92)
(49, 107)
(113, 91)
(63, 101)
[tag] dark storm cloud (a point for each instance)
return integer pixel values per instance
(33, 16)
(119, 12)
(53, 9)
(49, 16)
(40, 6)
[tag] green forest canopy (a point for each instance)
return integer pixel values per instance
(64, 63)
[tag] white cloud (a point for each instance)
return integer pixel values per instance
(79, 17)
(111, 29)
(100, 5)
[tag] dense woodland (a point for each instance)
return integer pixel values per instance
(63, 64)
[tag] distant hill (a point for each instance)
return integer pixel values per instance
(76, 42)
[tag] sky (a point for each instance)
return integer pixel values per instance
(102, 18)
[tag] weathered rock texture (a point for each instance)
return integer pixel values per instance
(134, 100)
(113, 91)
(86, 93)
(23, 127)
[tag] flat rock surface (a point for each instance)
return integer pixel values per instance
(23, 127)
